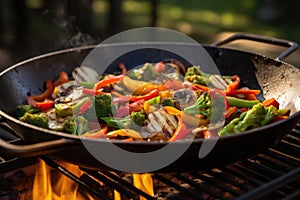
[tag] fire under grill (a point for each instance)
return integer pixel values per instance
(274, 174)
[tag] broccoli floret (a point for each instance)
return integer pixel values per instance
(167, 102)
(38, 119)
(196, 76)
(138, 118)
(118, 123)
(103, 105)
(251, 119)
(76, 125)
(22, 109)
(145, 73)
(201, 106)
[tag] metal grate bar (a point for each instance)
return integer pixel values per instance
(285, 158)
(227, 177)
(200, 186)
(295, 133)
(126, 184)
(64, 171)
(109, 182)
(235, 170)
(250, 172)
(289, 147)
(274, 163)
(272, 186)
(262, 169)
(292, 196)
(175, 186)
(234, 190)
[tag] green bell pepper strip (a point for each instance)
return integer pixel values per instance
(241, 103)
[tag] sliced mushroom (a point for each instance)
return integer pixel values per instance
(184, 98)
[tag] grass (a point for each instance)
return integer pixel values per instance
(201, 19)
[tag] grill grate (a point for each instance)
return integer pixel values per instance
(274, 174)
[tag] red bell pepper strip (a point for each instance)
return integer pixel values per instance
(123, 68)
(45, 105)
(229, 111)
(234, 85)
(270, 102)
(91, 92)
(208, 134)
(279, 118)
(145, 97)
(46, 94)
(174, 84)
(136, 106)
(200, 87)
(159, 67)
(123, 111)
(108, 81)
(121, 99)
(218, 95)
(84, 107)
(180, 133)
(242, 91)
(63, 78)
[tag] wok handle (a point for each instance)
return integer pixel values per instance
(31, 150)
(292, 46)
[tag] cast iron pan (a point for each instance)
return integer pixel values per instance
(274, 77)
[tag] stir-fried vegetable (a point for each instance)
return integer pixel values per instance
(152, 102)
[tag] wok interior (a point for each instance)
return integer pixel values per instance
(274, 78)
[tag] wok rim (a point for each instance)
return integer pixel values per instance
(91, 47)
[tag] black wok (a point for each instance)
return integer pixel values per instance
(274, 77)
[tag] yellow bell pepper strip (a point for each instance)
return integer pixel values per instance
(194, 120)
(108, 80)
(125, 133)
(234, 85)
(270, 102)
(150, 95)
(137, 87)
(96, 133)
(241, 103)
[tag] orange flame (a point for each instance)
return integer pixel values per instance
(46, 186)
(144, 182)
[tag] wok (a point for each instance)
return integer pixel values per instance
(274, 77)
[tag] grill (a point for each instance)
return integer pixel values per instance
(274, 174)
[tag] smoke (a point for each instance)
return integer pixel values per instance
(71, 35)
